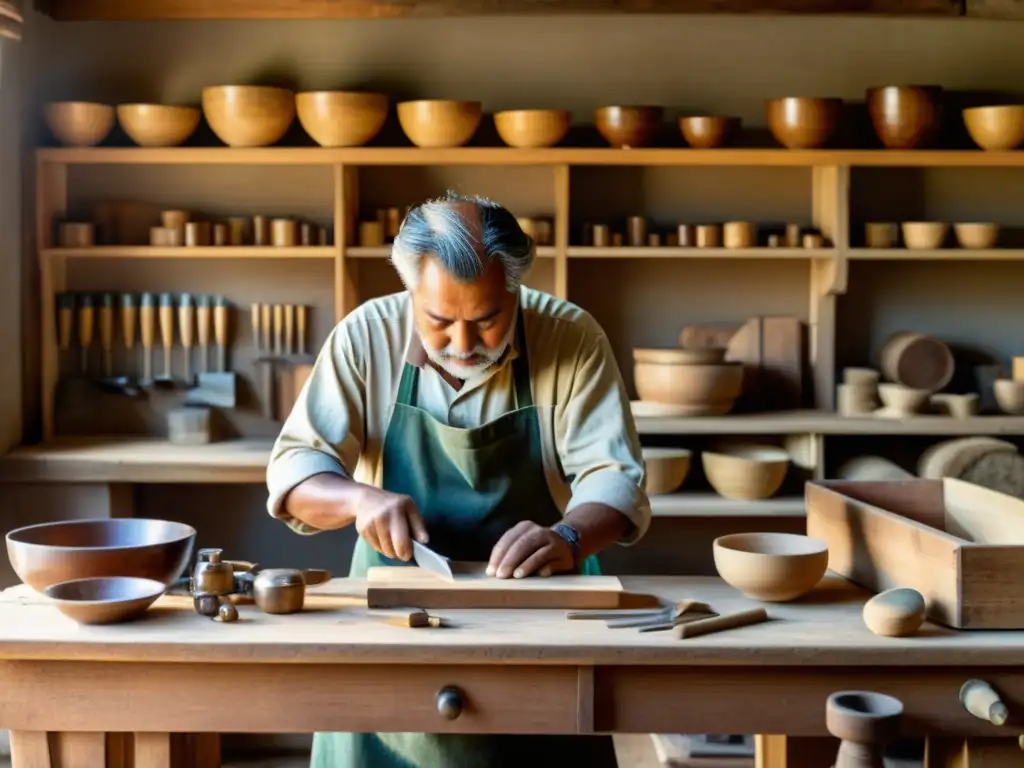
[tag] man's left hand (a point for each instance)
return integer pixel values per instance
(528, 548)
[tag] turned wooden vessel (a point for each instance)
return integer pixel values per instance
(866, 722)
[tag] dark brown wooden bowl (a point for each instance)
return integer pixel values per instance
(49, 553)
(707, 132)
(799, 122)
(905, 116)
(625, 127)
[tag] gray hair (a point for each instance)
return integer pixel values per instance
(437, 228)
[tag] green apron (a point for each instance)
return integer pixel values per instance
(471, 485)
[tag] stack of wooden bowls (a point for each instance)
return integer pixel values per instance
(695, 382)
(858, 394)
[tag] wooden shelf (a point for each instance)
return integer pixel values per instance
(212, 252)
(137, 460)
(510, 156)
(817, 422)
(384, 251)
(685, 504)
(665, 252)
(942, 254)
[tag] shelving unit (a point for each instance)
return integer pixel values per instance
(360, 273)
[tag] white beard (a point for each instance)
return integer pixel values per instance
(443, 358)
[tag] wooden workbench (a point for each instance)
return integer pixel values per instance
(339, 667)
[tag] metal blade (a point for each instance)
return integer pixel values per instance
(429, 560)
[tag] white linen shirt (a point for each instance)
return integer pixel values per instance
(591, 451)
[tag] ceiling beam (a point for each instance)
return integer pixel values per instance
(111, 10)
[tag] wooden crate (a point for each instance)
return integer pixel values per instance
(959, 545)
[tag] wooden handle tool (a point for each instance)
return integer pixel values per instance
(186, 326)
(107, 333)
(167, 329)
(278, 329)
(86, 322)
(147, 329)
(300, 327)
(255, 318)
(289, 328)
(721, 623)
(65, 321)
(265, 327)
(220, 331)
(203, 322)
(129, 318)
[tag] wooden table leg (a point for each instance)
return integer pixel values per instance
(152, 750)
(972, 753)
(30, 749)
(777, 751)
(38, 749)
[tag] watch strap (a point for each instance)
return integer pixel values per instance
(572, 538)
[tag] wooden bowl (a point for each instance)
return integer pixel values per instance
(998, 128)
(863, 717)
(158, 125)
(341, 118)
(436, 123)
(773, 567)
(905, 116)
(529, 128)
(698, 390)
(79, 123)
(691, 356)
(707, 132)
(799, 122)
(924, 235)
(248, 115)
(106, 599)
(1009, 395)
(746, 472)
(900, 399)
(48, 553)
(666, 469)
(978, 235)
(626, 127)
(881, 234)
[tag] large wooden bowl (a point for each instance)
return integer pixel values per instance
(799, 122)
(1009, 395)
(773, 567)
(746, 472)
(998, 128)
(79, 123)
(924, 235)
(249, 115)
(158, 125)
(666, 469)
(625, 127)
(707, 132)
(435, 123)
(697, 390)
(979, 235)
(49, 553)
(529, 128)
(680, 356)
(104, 600)
(341, 118)
(905, 116)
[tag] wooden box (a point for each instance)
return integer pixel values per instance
(958, 544)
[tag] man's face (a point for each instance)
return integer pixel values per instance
(465, 327)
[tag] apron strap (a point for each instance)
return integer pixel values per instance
(520, 373)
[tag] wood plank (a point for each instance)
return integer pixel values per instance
(995, 9)
(153, 750)
(30, 749)
(86, 10)
(80, 750)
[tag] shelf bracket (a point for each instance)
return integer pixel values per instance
(829, 277)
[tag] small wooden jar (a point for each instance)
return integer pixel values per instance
(544, 231)
(636, 231)
(161, 237)
(709, 236)
(813, 240)
(77, 234)
(616, 239)
(739, 234)
(305, 234)
(175, 219)
(856, 399)
(792, 238)
(283, 233)
(322, 237)
(393, 223)
(221, 236)
(260, 231)
(653, 240)
(881, 234)
(197, 234)
(601, 236)
(687, 235)
(371, 234)
(774, 241)
(238, 227)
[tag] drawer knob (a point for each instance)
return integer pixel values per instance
(449, 703)
(981, 700)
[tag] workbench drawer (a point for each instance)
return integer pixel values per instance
(288, 698)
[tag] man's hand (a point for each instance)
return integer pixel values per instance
(528, 548)
(386, 521)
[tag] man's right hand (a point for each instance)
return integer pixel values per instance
(387, 521)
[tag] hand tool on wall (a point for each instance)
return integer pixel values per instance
(147, 332)
(265, 327)
(263, 362)
(203, 323)
(186, 327)
(107, 333)
(166, 318)
(289, 329)
(300, 327)
(129, 317)
(278, 329)
(220, 331)
(86, 323)
(65, 324)
(254, 317)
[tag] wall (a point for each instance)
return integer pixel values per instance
(689, 63)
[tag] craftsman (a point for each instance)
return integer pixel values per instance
(484, 419)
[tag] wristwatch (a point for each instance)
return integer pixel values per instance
(572, 538)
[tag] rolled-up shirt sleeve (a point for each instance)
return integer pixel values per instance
(324, 432)
(598, 445)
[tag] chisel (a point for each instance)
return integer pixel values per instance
(147, 328)
(203, 321)
(86, 321)
(167, 332)
(107, 333)
(185, 328)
